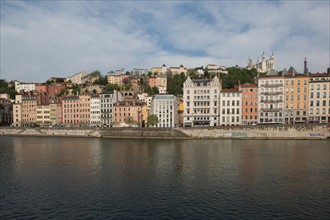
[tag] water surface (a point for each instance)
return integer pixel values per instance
(86, 178)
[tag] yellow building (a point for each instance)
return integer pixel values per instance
(296, 98)
(43, 115)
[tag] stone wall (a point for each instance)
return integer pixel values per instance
(263, 132)
(316, 131)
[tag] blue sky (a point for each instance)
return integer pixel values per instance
(40, 39)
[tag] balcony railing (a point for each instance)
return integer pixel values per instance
(272, 85)
(272, 101)
(271, 93)
(271, 109)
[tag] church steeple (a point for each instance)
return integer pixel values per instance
(305, 66)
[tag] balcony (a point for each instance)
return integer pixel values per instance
(271, 85)
(271, 93)
(272, 101)
(271, 109)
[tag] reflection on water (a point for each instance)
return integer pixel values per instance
(101, 178)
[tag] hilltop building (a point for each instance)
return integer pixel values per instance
(264, 65)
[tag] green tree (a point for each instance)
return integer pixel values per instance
(112, 87)
(155, 90)
(95, 73)
(152, 120)
(49, 82)
(129, 120)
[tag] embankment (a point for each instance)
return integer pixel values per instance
(301, 131)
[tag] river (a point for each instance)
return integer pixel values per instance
(91, 178)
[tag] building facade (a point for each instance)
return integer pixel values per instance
(166, 109)
(270, 96)
(201, 102)
(106, 100)
(95, 111)
(6, 112)
(127, 113)
(24, 87)
(264, 65)
(43, 115)
(230, 107)
(319, 98)
(249, 104)
(296, 92)
(70, 110)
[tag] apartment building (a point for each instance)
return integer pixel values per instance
(95, 111)
(270, 96)
(158, 82)
(230, 107)
(78, 78)
(6, 112)
(24, 87)
(127, 113)
(296, 92)
(178, 70)
(166, 109)
(319, 98)
(70, 110)
(117, 79)
(249, 104)
(201, 102)
(43, 115)
(84, 109)
(55, 113)
(106, 100)
(159, 71)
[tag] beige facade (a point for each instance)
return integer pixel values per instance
(127, 113)
(78, 78)
(296, 92)
(43, 115)
(178, 70)
(230, 107)
(116, 79)
(319, 98)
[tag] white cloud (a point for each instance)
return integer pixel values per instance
(59, 38)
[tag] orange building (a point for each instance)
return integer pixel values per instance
(126, 113)
(249, 104)
(296, 98)
(29, 109)
(70, 110)
(84, 109)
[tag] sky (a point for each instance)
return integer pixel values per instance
(43, 39)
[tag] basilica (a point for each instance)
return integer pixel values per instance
(264, 65)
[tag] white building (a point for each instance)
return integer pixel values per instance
(25, 87)
(139, 72)
(106, 100)
(319, 98)
(201, 102)
(162, 89)
(78, 78)
(95, 111)
(166, 109)
(270, 98)
(230, 107)
(264, 65)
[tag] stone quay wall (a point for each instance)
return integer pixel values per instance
(301, 131)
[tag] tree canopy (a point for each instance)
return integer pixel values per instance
(152, 120)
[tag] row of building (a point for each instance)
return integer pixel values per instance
(286, 97)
